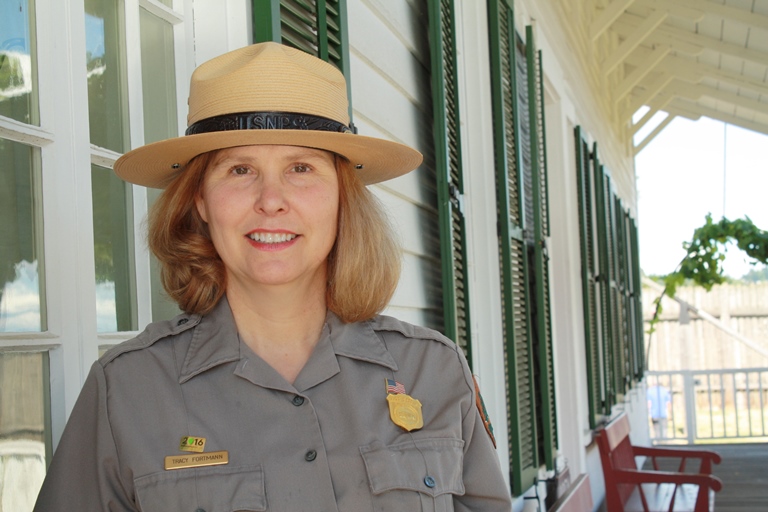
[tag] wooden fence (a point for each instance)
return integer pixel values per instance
(699, 344)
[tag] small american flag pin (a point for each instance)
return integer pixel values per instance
(394, 387)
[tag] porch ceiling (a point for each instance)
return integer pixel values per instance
(688, 58)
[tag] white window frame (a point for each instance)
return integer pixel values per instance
(71, 338)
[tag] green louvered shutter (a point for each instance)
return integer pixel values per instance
(618, 350)
(626, 287)
(590, 284)
(627, 326)
(450, 181)
(541, 322)
(610, 275)
(605, 304)
(520, 148)
(318, 27)
(638, 341)
(513, 185)
(619, 303)
(630, 283)
(615, 303)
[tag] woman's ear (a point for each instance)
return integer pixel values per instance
(200, 205)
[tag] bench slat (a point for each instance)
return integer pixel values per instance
(659, 496)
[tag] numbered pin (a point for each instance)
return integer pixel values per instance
(192, 444)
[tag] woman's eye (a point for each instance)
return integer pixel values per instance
(301, 168)
(240, 170)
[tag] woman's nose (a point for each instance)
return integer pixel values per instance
(271, 196)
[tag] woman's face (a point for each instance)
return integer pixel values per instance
(272, 213)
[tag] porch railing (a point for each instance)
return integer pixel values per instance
(710, 405)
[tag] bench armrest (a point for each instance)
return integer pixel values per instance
(676, 452)
(706, 457)
(630, 476)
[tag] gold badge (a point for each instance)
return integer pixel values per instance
(192, 444)
(405, 412)
(197, 460)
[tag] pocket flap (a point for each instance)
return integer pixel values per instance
(429, 466)
(213, 489)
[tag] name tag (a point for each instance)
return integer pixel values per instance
(196, 461)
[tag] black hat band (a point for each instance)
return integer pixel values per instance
(267, 121)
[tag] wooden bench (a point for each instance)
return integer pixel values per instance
(578, 497)
(628, 488)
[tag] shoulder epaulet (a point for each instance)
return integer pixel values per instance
(388, 323)
(152, 334)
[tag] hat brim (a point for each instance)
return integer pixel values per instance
(156, 165)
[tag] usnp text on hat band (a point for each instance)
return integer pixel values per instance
(268, 121)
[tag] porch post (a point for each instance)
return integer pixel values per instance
(690, 405)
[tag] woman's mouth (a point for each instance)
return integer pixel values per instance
(271, 238)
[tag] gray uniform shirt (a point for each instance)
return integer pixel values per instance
(325, 443)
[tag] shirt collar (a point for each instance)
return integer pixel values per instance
(215, 341)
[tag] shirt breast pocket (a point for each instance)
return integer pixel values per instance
(212, 489)
(423, 474)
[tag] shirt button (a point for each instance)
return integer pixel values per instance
(429, 481)
(310, 455)
(298, 400)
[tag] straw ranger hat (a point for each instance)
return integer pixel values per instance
(267, 93)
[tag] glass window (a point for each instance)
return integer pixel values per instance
(159, 78)
(112, 200)
(18, 61)
(114, 248)
(24, 428)
(21, 250)
(160, 120)
(107, 98)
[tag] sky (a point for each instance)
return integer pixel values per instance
(14, 26)
(693, 168)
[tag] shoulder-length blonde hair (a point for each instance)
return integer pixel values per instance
(363, 265)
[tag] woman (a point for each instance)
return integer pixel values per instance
(280, 388)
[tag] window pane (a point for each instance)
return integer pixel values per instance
(107, 99)
(163, 307)
(114, 248)
(160, 120)
(159, 78)
(18, 61)
(21, 249)
(24, 432)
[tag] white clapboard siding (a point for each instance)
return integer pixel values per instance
(383, 105)
(406, 219)
(389, 62)
(371, 35)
